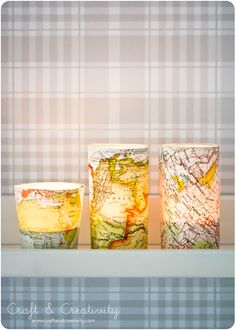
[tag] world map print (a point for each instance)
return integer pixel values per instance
(48, 219)
(118, 186)
(190, 196)
(58, 240)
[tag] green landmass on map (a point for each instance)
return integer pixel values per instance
(118, 209)
(57, 240)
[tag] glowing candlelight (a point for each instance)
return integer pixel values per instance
(190, 198)
(118, 188)
(49, 214)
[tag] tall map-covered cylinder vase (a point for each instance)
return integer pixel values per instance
(190, 197)
(118, 189)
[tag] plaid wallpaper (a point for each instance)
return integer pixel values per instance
(74, 73)
(152, 303)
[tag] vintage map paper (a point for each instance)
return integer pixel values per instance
(190, 199)
(118, 188)
(49, 218)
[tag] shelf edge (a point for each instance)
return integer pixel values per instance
(129, 263)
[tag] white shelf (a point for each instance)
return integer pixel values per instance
(85, 262)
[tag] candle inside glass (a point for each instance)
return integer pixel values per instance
(49, 214)
(118, 190)
(190, 197)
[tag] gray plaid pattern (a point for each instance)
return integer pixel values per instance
(80, 72)
(142, 302)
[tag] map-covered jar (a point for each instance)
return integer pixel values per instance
(49, 214)
(190, 196)
(118, 191)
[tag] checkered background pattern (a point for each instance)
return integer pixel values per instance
(142, 302)
(74, 73)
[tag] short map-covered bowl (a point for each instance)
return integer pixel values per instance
(49, 214)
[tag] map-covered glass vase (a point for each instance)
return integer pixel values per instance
(190, 196)
(118, 191)
(49, 214)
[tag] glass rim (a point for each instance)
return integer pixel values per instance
(49, 186)
(190, 145)
(118, 146)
